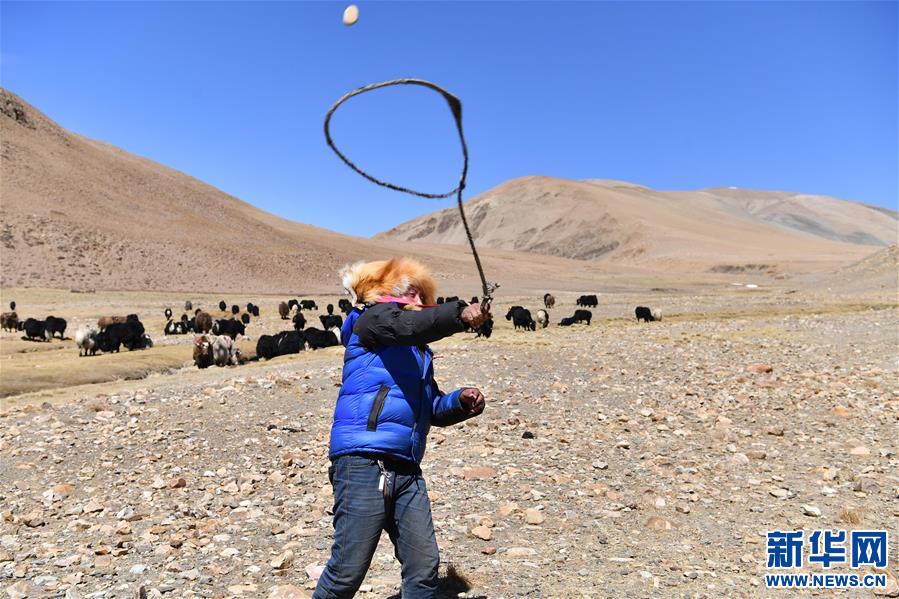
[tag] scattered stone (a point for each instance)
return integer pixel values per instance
(740, 459)
(68, 561)
(659, 523)
(33, 519)
(892, 587)
(478, 472)
(866, 484)
(240, 589)
(287, 591)
(842, 411)
(18, 590)
(532, 516)
(284, 560)
(811, 510)
(63, 490)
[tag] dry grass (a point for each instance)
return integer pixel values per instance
(28, 366)
(781, 310)
(14, 343)
(854, 516)
(34, 371)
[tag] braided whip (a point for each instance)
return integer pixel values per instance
(455, 106)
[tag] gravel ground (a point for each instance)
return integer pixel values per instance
(619, 459)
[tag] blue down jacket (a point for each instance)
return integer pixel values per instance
(389, 399)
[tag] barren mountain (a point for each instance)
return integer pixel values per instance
(82, 214)
(723, 230)
(79, 213)
(874, 273)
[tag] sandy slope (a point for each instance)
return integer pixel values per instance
(877, 273)
(78, 213)
(612, 221)
(81, 214)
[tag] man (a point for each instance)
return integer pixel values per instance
(386, 405)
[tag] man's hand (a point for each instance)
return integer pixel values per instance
(472, 401)
(474, 317)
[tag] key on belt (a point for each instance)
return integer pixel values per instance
(385, 481)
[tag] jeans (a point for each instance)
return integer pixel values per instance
(360, 514)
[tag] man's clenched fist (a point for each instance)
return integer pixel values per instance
(472, 401)
(474, 316)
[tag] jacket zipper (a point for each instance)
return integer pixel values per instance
(376, 408)
(421, 397)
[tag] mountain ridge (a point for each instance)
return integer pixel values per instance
(628, 223)
(84, 214)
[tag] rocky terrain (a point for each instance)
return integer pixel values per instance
(877, 272)
(616, 459)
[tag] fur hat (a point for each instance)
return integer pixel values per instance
(368, 281)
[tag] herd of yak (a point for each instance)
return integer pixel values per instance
(34, 329)
(522, 319)
(114, 331)
(214, 343)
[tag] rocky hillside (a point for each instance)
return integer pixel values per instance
(81, 214)
(875, 273)
(721, 230)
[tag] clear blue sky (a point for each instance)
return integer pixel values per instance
(797, 96)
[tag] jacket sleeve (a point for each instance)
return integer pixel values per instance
(388, 324)
(448, 409)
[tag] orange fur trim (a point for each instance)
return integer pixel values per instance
(367, 281)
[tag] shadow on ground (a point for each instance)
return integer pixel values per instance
(449, 586)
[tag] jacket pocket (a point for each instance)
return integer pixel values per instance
(376, 408)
